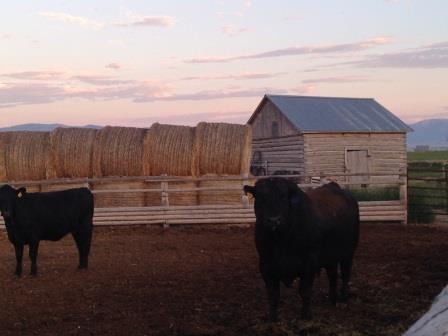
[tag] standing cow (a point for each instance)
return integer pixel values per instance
(32, 217)
(297, 234)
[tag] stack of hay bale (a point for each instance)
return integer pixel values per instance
(208, 150)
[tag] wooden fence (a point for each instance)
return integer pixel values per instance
(239, 211)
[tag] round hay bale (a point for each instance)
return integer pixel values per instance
(207, 197)
(168, 149)
(71, 152)
(118, 151)
(27, 156)
(222, 149)
(4, 142)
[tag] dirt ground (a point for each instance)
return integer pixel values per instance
(205, 281)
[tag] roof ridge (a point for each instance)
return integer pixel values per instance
(319, 97)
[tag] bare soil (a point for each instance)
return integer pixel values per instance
(205, 281)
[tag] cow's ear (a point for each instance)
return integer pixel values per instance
(249, 189)
(21, 192)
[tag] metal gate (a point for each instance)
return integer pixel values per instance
(428, 191)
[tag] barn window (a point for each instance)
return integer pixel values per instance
(275, 132)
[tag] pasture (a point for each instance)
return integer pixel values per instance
(205, 281)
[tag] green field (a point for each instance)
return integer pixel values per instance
(428, 155)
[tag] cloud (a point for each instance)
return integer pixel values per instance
(101, 80)
(297, 51)
(430, 56)
(232, 30)
(71, 19)
(149, 21)
(36, 75)
(191, 118)
(14, 94)
(114, 66)
(242, 76)
(221, 94)
(23, 94)
(336, 80)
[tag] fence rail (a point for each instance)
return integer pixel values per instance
(239, 212)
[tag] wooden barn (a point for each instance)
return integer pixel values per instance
(326, 136)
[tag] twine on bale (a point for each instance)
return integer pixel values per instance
(168, 149)
(118, 151)
(27, 156)
(71, 152)
(222, 149)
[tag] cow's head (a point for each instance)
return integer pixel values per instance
(276, 199)
(8, 197)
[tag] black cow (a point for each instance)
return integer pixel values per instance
(297, 234)
(32, 217)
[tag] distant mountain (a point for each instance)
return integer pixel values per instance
(41, 127)
(430, 132)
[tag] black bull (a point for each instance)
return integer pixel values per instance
(32, 217)
(297, 234)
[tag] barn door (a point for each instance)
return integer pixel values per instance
(357, 162)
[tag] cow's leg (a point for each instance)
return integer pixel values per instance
(332, 273)
(83, 240)
(19, 255)
(346, 271)
(273, 290)
(34, 247)
(305, 291)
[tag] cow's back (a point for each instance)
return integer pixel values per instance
(51, 215)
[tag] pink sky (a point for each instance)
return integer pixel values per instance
(134, 63)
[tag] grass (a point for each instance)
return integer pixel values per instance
(428, 155)
(376, 194)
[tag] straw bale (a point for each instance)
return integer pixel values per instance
(71, 152)
(118, 151)
(168, 149)
(220, 197)
(4, 141)
(222, 149)
(27, 156)
(128, 199)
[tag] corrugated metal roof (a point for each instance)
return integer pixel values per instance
(329, 114)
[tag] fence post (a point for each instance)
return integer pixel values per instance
(403, 177)
(165, 199)
(446, 187)
(244, 198)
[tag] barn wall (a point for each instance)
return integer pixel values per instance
(262, 124)
(283, 153)
(325, 152)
